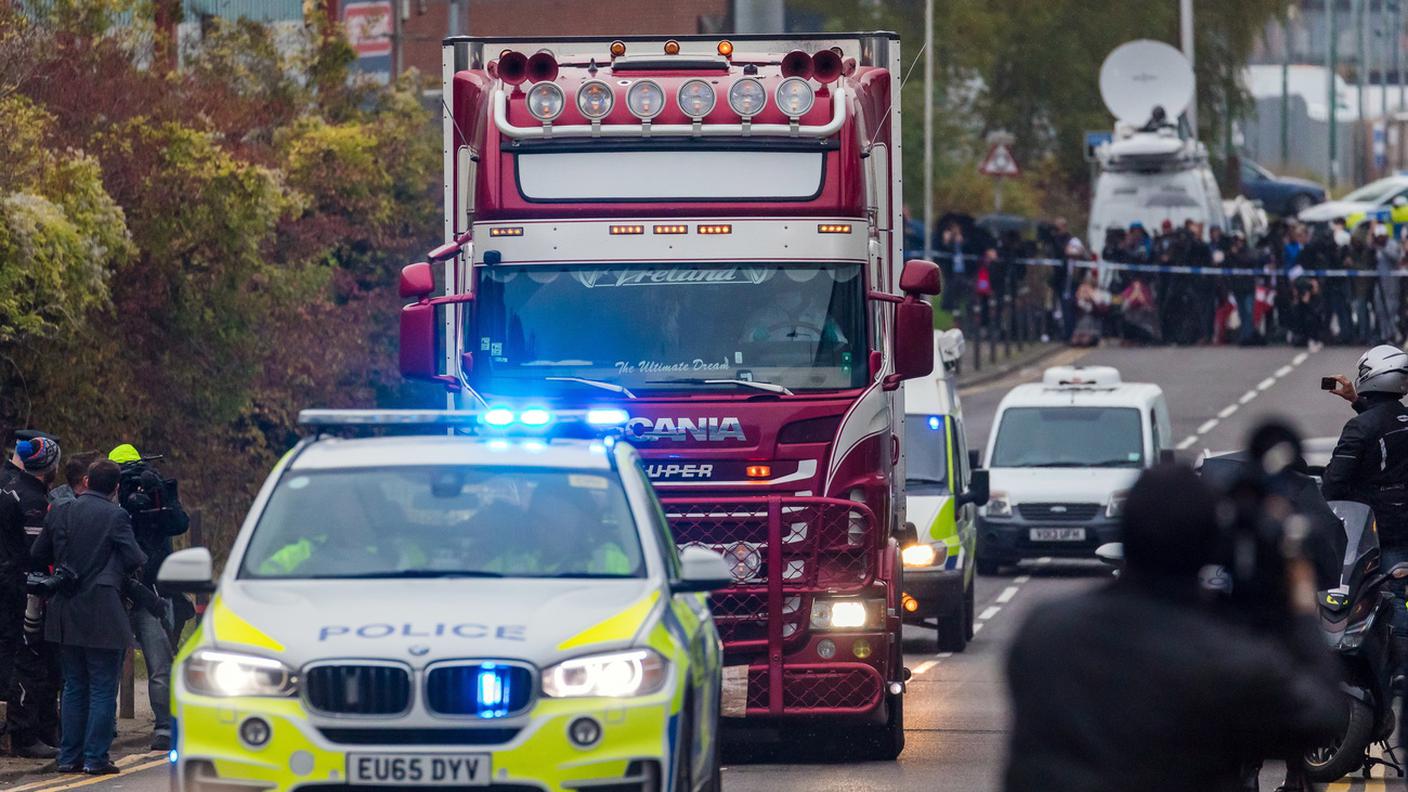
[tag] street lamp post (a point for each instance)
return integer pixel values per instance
(1331, 60)
(1185, 20)
(928, 127)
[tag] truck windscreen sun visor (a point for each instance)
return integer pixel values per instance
(670, 175)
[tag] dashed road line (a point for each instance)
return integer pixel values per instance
(992, 610)
(1226, 412)
(1247, 397)
(1187, 443)
(1007, 595)
(1244, 399)
(1299, 359)
(1266, 383)
(1207, 426)
(1283, 371)
(977, 628)
(1020, 579)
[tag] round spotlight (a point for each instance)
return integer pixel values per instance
(584, 732)
(861, 648)
(747, 97)
(645, 99)
(545, 101)
(795, 96)
(826, 648)
(255, 732)
(743, 560)
(696, 98)
(595, 99)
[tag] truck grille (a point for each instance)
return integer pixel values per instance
(1058, 512)
(481, 690)
(358, 689)
(832, 688)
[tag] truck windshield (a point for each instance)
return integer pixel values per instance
(445, 522)
(925, 454)
(669, 326)
(1069, 437)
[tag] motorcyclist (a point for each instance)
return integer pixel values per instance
(1370, 464)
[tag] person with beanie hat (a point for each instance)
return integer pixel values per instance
(28, 669)
(1142, 684)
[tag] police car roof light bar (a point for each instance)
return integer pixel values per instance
(496, 420)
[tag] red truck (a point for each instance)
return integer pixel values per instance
(704, 237)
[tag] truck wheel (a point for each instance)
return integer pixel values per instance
(954, 627)
(885, 743)
(1346, 754)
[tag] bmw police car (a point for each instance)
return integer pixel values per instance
(450, 610)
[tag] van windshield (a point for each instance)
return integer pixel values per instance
(1069, 437)
(926, 454)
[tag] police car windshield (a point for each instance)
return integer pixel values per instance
(925, 454)
(659, 327)
(1069, 437)
(445, 522)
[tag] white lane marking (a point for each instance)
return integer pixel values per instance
(1246, 397)
(1007, 595)
(944, 655)
(1299, 359)
(1021, 578)
(1226, 412)
(1266, 383)
(1283, 371)
(1206, 426)
(1044, 560)
(1187, 442)
(977, 628)
(925, 666)
(991, 611)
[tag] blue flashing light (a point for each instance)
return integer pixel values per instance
(172, 756)
(607, 416)
(535, 416)
(935, 422)
(498, 416)
(498, 444)
(492, 691)
(534, 446)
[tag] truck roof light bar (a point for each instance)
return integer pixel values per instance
(508, 130)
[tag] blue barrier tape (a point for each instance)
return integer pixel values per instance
(1172, 269)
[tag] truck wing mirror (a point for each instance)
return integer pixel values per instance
(420, 357)
(188, 571)
(921, 277)
(417, 281)
(913, 341)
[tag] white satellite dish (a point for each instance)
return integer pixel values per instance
(1141, 74)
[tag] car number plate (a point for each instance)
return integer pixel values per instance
(1058, 534)
(420, 769)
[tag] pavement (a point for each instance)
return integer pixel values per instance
(956, 712)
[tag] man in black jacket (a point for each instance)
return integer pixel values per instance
(92, 539)
(1141, 685)
(28, 667)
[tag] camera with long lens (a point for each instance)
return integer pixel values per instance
(145, 494)
(63, 580)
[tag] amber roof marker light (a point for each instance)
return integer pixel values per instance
(618, 48)
(725, 48)
(672, 47)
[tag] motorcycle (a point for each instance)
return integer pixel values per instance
(1355, 620)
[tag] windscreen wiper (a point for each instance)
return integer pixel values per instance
(412, 573)
(924, 480)
(756, 384)
(607, 386)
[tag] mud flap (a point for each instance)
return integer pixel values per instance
(735, 692)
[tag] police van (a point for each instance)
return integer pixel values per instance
(1062, 454)
(433, 609)
(943, 491)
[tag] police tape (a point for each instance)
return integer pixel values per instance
(1172, 269)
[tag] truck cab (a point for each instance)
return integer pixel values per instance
(1063, 454)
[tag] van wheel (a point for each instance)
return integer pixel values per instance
(988, 567)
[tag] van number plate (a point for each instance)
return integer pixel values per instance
(419, 769)
(1058, 534)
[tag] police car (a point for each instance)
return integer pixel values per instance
(438, 609)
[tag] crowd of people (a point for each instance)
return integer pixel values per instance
(1092, 293)
(81, 540)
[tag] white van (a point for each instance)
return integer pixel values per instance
(1148, 178)
(1062, 455)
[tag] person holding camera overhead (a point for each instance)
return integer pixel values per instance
(157, 516)
(92, 549)
(28, 667)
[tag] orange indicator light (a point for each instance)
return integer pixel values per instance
(672, 47)
(618, 48)
(758, 471)
(726, 48)
(672, 229)
(627, 229)
(834, 228)
(714, 229)
(506, 231)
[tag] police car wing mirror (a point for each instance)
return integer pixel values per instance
(188, 571)
(702, 570)
(978, 492)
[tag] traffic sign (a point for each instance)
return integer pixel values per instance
(999, 162)
(368, 27)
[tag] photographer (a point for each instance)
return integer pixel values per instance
(90, 545)
(157, 516)
(1158, 689)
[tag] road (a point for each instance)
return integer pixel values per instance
(956, 710)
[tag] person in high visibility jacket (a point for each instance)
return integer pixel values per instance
(560, 536)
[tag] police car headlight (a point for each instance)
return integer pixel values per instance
(1115, 508)
(920, 555)
(846, 614)
(998, 506)
(212, 673)
(638, 672)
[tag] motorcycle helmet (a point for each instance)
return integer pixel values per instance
(1383, 369)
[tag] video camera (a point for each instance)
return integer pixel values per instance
(145, 494)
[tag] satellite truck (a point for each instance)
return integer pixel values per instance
(703, 238)
(1152, 170)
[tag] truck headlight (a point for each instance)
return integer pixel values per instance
(637, 672)
(846, 614)
(1115, 508)
(212, 673)
(920, 555)
(998, 506)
